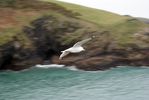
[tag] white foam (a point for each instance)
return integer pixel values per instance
(73, 68)
(49, 66)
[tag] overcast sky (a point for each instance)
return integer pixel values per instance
(137, 8)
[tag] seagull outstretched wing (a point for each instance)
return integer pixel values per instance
(64, 53)
(80, 43)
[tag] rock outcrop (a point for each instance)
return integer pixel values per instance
(46, 36)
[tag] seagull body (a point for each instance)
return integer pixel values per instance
(75, 49)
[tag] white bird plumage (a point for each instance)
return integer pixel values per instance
(76, 48)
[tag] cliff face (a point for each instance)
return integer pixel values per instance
(31, 36)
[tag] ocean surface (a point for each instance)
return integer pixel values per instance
(44, 83)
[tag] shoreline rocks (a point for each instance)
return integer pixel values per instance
(106, 61)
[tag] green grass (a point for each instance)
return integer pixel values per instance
(124, 31)
(119, 27)
(97, 16)
(7, 34)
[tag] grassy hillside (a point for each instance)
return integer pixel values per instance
(120, 27)
(19, 13)
(94, 15)
(16, 14)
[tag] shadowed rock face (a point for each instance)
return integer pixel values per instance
(46, 33)
(15, 58)
(6, 55)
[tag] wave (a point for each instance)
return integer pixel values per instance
(73, 68)
(57, 66)
(49, 66)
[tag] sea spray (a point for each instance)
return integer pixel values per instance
(49, 66)
(73, 68)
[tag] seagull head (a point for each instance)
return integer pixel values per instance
(83, 49)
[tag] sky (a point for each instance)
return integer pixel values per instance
(136, 8)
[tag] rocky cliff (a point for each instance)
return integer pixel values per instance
(35, 33)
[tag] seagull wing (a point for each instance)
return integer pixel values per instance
(80, 43)
(64, 53)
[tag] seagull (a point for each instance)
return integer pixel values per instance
(76, 48)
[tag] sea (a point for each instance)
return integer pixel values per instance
(56, 82)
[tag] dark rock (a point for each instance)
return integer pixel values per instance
(48, 44)
(6, 55)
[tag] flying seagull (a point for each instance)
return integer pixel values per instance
(76, 48)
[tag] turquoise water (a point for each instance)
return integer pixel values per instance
(127, 83)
